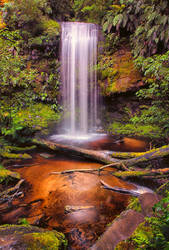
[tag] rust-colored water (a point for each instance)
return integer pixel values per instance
(124, 145)
(76, 189)
(82, 227)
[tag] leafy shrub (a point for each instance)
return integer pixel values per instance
(135, 129)
(155, 235)
(29, 120)
(147, 21)
(156, 75)
(89, 11)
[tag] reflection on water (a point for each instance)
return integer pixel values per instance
(102, 142)
(76, 189)
(81, 226)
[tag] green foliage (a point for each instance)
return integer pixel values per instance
(50, 27)
(23, 82)
(18, 13)
(147, 22)
(137, 129)
(155, 235)
(23, 221)
(7, 175)
(31, 16)
(156, 72)
(61, 10)
(134, 204)
(3, 173)
(47, 240)
(28, 120)
(88, 11)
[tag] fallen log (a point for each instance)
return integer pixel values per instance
(147, 156)
(151, 172)
(104, 157)
(100, 156)
(126, 155)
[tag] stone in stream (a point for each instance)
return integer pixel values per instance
(147, 201)
(121, 228)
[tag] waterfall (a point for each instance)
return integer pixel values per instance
(79, 79)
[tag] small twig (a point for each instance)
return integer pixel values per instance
(90, 170)
(125, 168)
(109, 165)
(73, 171)
(15, 188)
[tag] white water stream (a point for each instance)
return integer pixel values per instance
(79, 79)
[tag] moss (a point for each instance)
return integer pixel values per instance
(6, 174)
(20, 149)
(46, 240)
(126, 155)
(130, 173)
(15, 156)
(142, 234)
(33, 238)
(134, 204)
(149, 131)
(118, 73)
(50, 27)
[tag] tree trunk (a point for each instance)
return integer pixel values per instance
(100, 156)
(147, 156)
(126, 155)
(151, 172)
(104, 157)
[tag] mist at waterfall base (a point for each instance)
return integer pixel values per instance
(80, 92)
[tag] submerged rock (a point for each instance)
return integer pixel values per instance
(25, 237)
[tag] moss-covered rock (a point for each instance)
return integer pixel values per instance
(27, 237)
(118, 73)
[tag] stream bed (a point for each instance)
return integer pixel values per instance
(74, 203)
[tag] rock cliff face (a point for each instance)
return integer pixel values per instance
(118, 73)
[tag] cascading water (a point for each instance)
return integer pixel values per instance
(79, 80)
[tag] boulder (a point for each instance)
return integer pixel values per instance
(17, 237)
